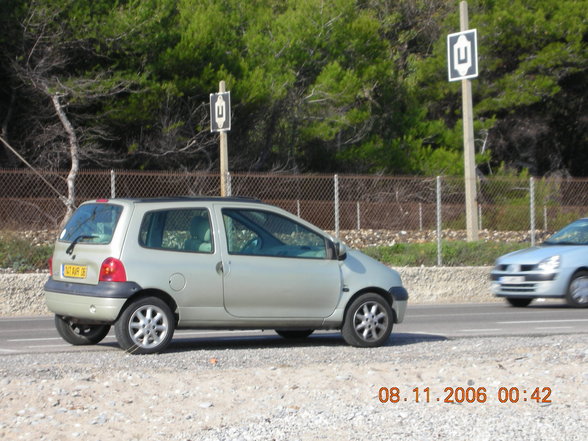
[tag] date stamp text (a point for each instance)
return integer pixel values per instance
(453, 395)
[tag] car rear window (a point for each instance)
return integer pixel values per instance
(92, 223)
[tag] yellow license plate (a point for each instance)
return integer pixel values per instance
(75, 271)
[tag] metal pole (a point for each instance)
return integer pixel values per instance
(468, 143)
(532, 208)
(439, 252)
(228, 184)
(336, 183)
(224, 157)
(112, 184)
(358, 217)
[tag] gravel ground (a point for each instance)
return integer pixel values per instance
(268, 389)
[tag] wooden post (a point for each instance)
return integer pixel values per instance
(224, 155)
(468, 143)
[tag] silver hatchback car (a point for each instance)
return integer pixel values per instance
(558, 268)
(150, 266)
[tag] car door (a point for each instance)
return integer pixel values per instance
(275, 267)
(176, 253)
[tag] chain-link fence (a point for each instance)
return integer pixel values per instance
(333, 202)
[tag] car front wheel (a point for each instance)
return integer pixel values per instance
(146, 326)
(79, 334)
(368, 321)
(577, 295)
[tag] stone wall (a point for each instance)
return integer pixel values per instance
(22, 294)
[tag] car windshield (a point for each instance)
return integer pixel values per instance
(92, 223)
(575, 233)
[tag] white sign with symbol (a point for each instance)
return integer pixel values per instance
(220, 112)
(462, 55)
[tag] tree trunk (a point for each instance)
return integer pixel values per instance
(8, 158)
(74, 154)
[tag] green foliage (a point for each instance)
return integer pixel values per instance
(317, 85)
(20, 255)
(542, 43)
(453, 253)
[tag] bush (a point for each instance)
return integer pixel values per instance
(21, 255)
(453, 253)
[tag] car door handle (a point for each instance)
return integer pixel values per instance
(219, 268)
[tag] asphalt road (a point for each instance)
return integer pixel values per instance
(422, 323)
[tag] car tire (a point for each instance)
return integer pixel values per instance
(146, 326)
(368, 321)
(294, 334)
(79, 334)
(519, 302)
(577, 295)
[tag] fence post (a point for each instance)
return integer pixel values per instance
(358, 217)
(229, 182)
(420, 216)
(298, 207)
(532, 208)
(336, 183)
(439, 251)
(112, 184)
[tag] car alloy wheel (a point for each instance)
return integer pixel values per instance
(577, 295)
(368, 321)
(146, 326)
(79, 334)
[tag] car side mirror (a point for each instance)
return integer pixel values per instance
(340, 251)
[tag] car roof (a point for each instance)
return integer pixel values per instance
(178, 199)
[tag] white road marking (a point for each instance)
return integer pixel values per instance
(50, 346)
(519, 322)
(480, 330)
(553, 327)
(34, 339)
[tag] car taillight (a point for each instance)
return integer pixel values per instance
(50, 265)
(112, 270)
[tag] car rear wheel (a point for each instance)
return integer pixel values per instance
(368, 321)
(294, 334)
(577, 295)
(146, 326)
(79, 334)
(518, 302)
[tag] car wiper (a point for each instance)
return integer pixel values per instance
(70, 248)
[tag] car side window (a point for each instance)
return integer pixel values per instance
(262, 233)
(177, 230)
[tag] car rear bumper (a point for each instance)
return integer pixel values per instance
(101, 302)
